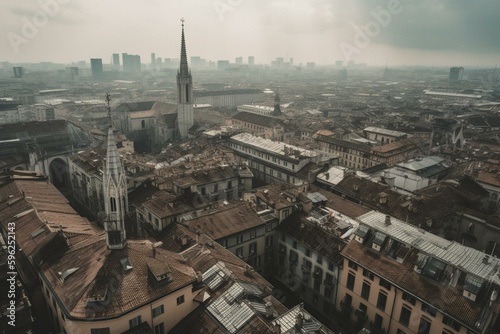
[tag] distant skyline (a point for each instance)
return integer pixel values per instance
(376, 32)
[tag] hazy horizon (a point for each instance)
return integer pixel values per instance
(427, 33)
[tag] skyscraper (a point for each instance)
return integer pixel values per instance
(456, 73)
(96, 67)
(131, 63)
(185, 92)
(116, 59)
(153, 58)
(251, 60)
(239, 60)
(18, 72)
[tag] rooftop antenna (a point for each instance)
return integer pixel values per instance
(108, 99)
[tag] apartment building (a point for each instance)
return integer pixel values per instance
(276, 162)
(397, 278)
(360, 156)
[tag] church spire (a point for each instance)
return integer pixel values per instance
(184, 71)
(115, 192)
(185, 118)
(277, 108)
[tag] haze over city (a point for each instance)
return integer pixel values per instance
(429, 33)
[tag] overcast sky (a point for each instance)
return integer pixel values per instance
(423, 32)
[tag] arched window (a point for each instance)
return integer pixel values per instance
(112, 202)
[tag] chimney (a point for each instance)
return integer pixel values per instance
(199, 277)
(269, 309)
(299, 319)
(387, 220)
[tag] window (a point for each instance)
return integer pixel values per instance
(224, 243)
(328, 279)
(315, 299)
(368, 274)
(365, 291)
(180, 300)
(363, 308)
(385, 284)
(347, 300)
(377, 323)
(331, 266)
(239, 239)
(112, 203)
(134, 322)
(100, 330)
(308, 252)
(239, 252)
(452, 323)
(158, 310)
(293, 257)
(253, 233)
(404, 317)
(425, 326)
(328, 292)
(319, 259)
(381, 301)
(294, 245)
(434, 269)
(283, 238)
(269, 241)
(409, 298)
(160, 329)
(428, 309)
(350, 281)
(252, 248)
(353, 265)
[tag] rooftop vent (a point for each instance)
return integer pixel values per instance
(126, 265)
(387, 220)
(64, 275)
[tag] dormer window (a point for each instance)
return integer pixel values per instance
(379, 240)
(159, 272)
(471, 287)
(434, 269)
(361, 233)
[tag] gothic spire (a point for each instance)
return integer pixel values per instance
(184, 71)
(113, 163)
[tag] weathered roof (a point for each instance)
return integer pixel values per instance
(258, 119)
(98, 266)
(387, 132)
(315, 237)
(228, 220)
(274, 147)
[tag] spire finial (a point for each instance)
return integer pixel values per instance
(184, 64)
(108, 99)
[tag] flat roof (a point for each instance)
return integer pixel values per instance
(275, 147)
(383, 131)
